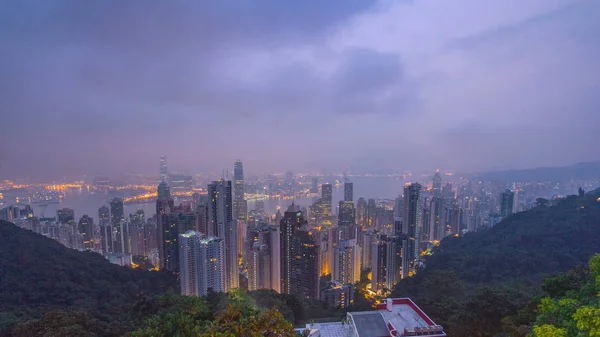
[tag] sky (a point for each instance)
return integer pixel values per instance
(101, 87)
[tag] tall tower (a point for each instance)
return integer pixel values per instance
(348, 190)
(507, 199)
(105, 229)
(222, 225)
(412, 222)
(437, 184)
(167, 229)
(86, 229)
(201, 264)
(289, 225)
(240, 208)
(437, 219)
(327, 200)
(164, 171)
(120, 227)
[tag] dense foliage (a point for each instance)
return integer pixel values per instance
(572, 307)
(48, 290)
(38, 275)
(487, 283)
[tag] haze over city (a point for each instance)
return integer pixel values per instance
(100, 87)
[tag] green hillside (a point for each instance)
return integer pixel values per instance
(487, 282)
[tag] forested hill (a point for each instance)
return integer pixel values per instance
(471, 283)
(38, 274)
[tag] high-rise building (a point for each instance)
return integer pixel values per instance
(372, 213)
(164, 171)
(167, 230)
(346, 262)
(398, 214)
(181, 183)
(201, 264)
(86, 229)
(437, 219)
(387, 262)
(327, 200)
(338, 295)
(240, 207)
(63, 216)
(412, 222)
(507, 200)
(222, 224)
(437, 184)
(120, 227)
(106, 236)
(361, 212)
(299, 256)
(348, 191)
(346, 216)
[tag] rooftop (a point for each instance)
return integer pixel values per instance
(393, 317)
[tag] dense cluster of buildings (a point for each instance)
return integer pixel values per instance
(215, 243)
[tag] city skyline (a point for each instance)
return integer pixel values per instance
(480, 87)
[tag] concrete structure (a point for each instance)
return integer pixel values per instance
(393, 318)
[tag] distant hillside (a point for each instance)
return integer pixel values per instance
(470, 283)
(38, 274)
(580, 171)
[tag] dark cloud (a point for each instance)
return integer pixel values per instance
(95, 86)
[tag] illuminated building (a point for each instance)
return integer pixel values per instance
(106, 235)
(346, 216)
(240, 207)
(120, 227)
(387, 262)
(361, 212)
(327, 200)
(346, 262)
(164, 170)
(436, 187)
(338, 295)
(412, 222)
(372, 213)
(299, 256)
(222, 225)
(167, 229)
(392, 317)
(348, 191)
(86, 229)
(180, 183)
(65, 216)
(437, 219)
(201, 264)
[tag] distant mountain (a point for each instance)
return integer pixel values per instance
(471, 283)
(38, 275)
(580, 171)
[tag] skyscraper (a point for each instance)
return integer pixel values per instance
(346, 262)
(412, 222)
(120, 227)
(361, 212)
(106, 236)
(240, 208)
(299, 256)
(387, 262)
(201, 264)
(437, 219)
(327, 200)
(222, 224)
(507, 199)
(86, 229)
(348, 191)
(346, 216)
(437, 184)
(164, 171)
(167, 230)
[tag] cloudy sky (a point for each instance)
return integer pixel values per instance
(106, 86)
